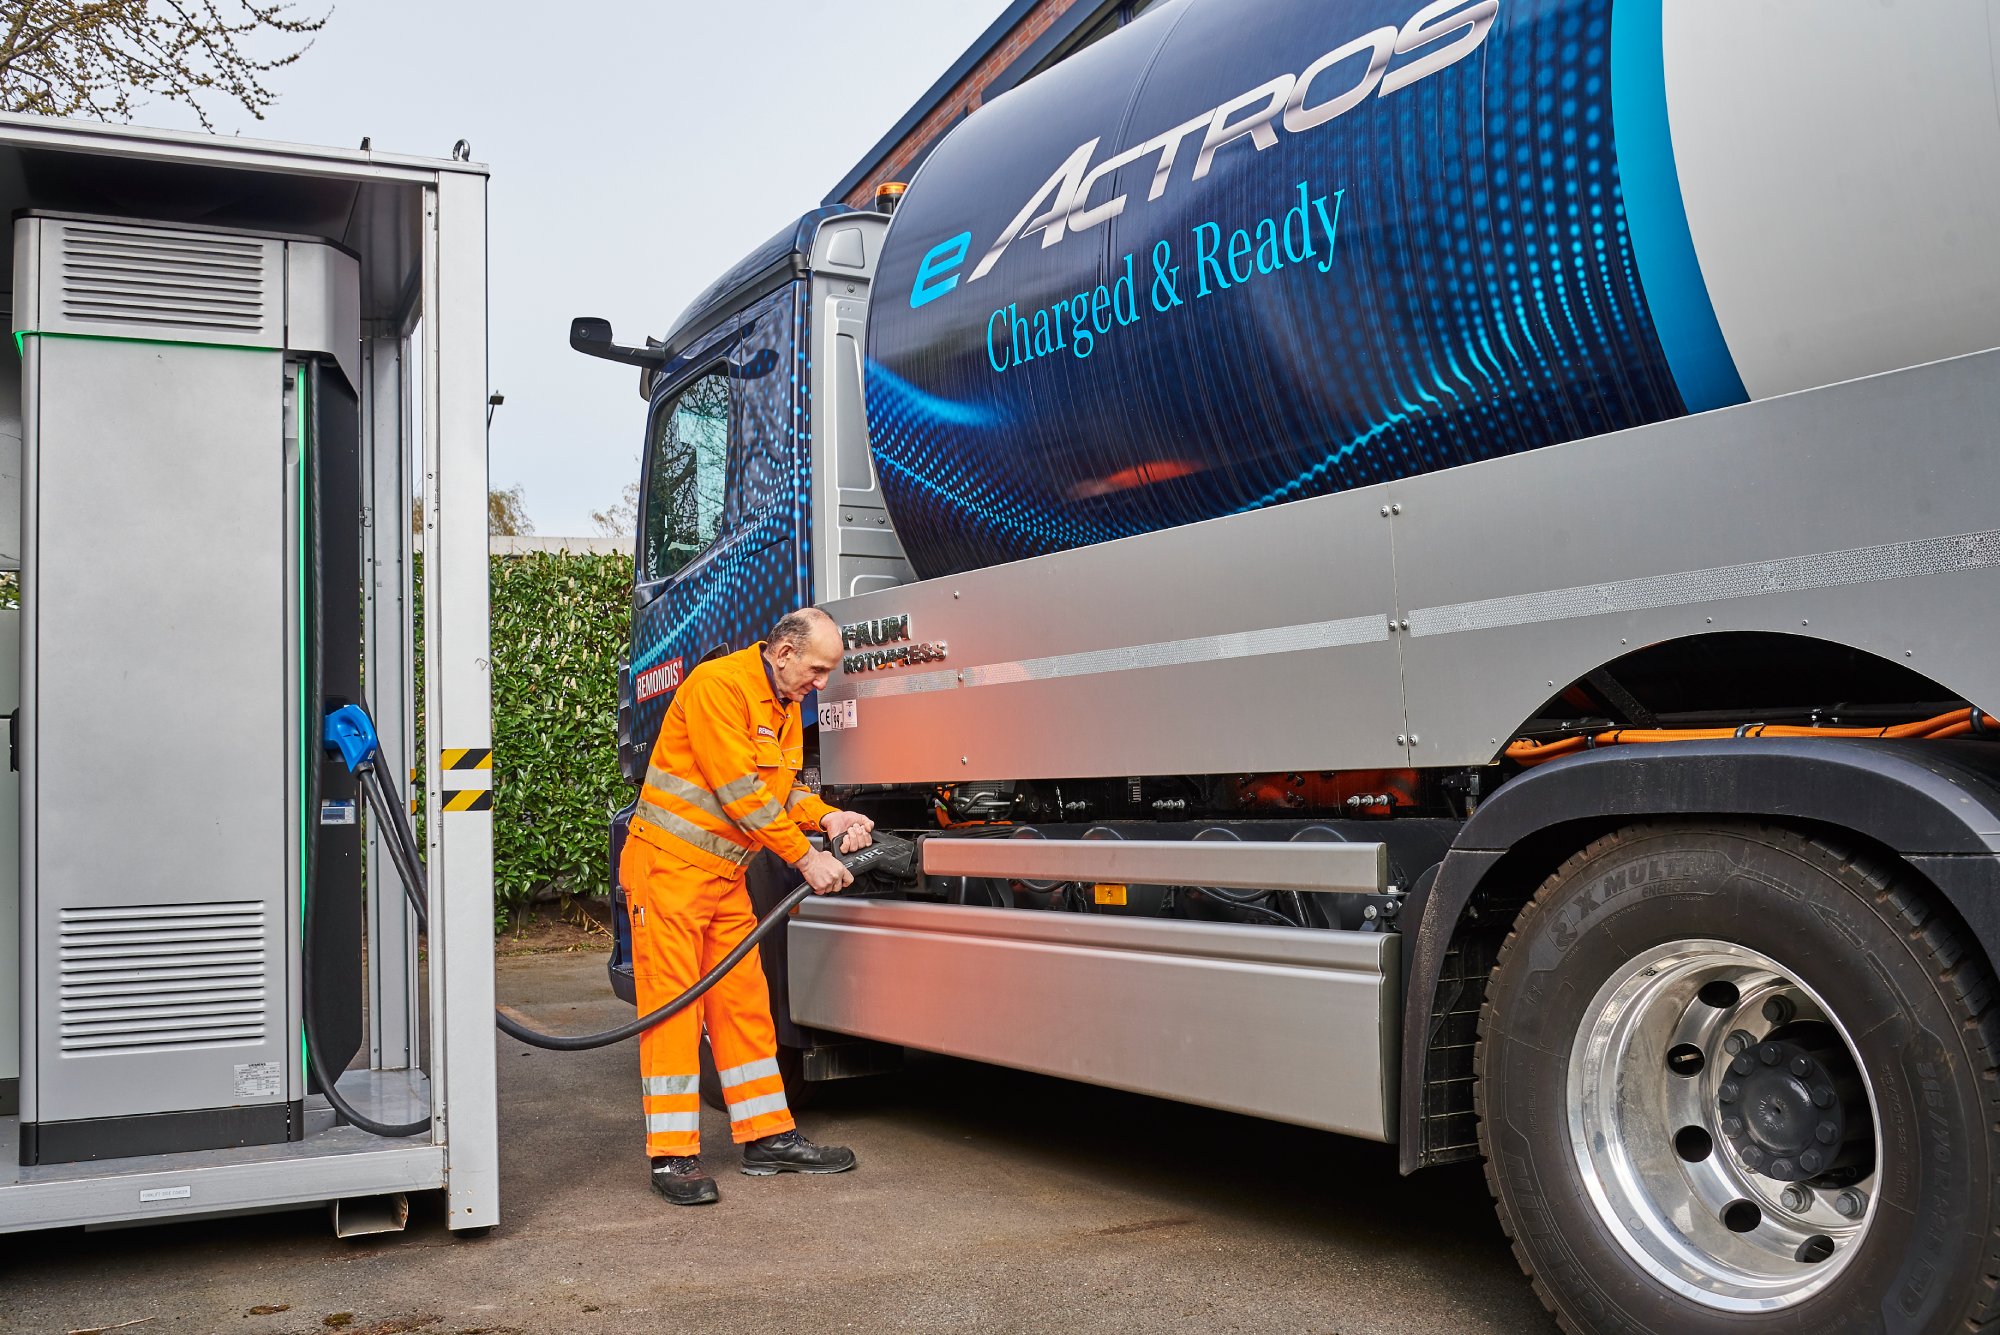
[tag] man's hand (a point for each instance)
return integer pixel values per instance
(823, 872)
(848, 831)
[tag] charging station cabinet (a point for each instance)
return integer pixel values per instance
(169, 747)
(238, 372)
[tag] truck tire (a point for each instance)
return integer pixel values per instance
(1738, 1079)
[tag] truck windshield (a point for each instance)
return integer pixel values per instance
(686, 474)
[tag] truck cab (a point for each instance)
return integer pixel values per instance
(757, 491)
(757, 494)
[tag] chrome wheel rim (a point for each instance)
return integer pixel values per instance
(1715, 1173)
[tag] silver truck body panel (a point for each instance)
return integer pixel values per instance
(1151, 1006)
(1855, 513)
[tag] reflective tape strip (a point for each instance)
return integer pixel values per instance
(688, 831)
(798, 796)
(748, 1071)
(762, 816)
(1371, 629)
(738, 789)
(681, 1121)
(693, 794)
(757, 1107)
(669, 1084)
(1751, 579)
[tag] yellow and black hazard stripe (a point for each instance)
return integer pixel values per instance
(468, 765)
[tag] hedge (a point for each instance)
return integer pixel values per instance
(560, 622)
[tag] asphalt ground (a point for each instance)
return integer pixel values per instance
(986, 1200)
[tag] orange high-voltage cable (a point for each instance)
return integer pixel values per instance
(1958, 723)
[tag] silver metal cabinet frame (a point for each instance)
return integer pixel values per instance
(419, 228)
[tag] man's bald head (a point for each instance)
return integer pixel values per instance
(803, 650)
(798, 628)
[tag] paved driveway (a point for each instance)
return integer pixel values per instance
(986, 1200)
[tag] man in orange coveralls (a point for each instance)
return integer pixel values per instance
(718, 790)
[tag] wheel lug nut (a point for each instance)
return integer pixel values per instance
(1849, 1204)
(1753, 1157)
(1826, 1133)
(1728, 1092)
(1801, 1067)
(1770, 1054)
(1743, 1065)
(1782, 1168)
(1732, 1127)
(1797, 1199)
(1823, 1096)
(1778, 1010)
(1810, 1161)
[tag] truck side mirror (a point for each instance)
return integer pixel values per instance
(590, 335)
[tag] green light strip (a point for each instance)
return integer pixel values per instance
(305, 705)
(21, 335)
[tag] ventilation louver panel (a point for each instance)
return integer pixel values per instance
(160, 977)
(141, 280)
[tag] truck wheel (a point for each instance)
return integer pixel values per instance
(1734, 1079)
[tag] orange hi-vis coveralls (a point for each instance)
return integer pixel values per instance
(718, 789)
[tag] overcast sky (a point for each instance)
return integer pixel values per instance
(637, 150)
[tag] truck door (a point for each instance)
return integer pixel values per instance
(721, 539)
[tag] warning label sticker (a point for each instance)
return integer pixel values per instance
(259, 1080)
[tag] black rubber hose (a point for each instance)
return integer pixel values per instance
(402, 844)
(329, 1078)
(389, 1130)
(1247, 905)
(631, 1028)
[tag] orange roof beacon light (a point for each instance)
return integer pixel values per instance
(888, 195)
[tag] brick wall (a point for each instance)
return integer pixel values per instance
(964, 98)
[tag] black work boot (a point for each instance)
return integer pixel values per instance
(790, 1152)
(679, 1178)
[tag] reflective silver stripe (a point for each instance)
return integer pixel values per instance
(1751, 579)
(691, 793)
(673, 1122)
(762, 816)
(738, 789)
(798, 796)
(757, 1107)
(682, 828)
(748, 1071)
(1371, 629)
(669, 1084)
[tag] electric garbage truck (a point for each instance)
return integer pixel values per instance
(1424, 570)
